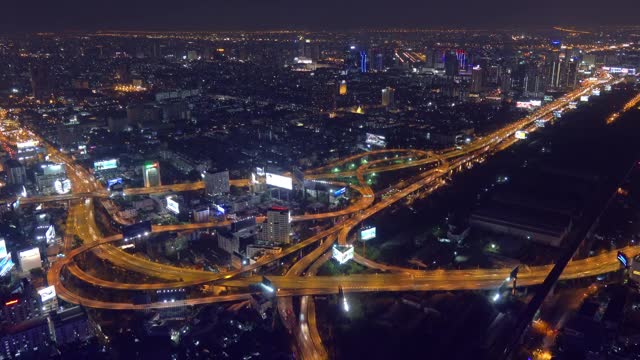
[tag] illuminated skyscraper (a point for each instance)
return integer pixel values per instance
(388, 96)
(477, 77)
(151, 174)
(363, 61)
(342, 89)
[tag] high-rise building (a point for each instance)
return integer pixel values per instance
(451, 64)
(363, 61)
(16, 172)
(554, 71)
(378, 61)
(277, 228)
(477, 78)
(40, 81)
(151, 174)
(342, 89)
(216, 182)
(430, 58)
(388, 96)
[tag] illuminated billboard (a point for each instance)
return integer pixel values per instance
(528, 104)
(6, 264)
(29, 259)
(173, 205)
(279, 181)
(105, 164)
(112, 182)
(27, 144)
(62, 186)
(368, 234)
(620, 70)
(3, 248)
(343, 253)
(540, 122)
(376, 140)
(584, 98)
(47, 293)
(340, 192)
(521, 134)
(595, 92)
(53, 169)
(573, 105)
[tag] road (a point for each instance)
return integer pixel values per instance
(294, 285)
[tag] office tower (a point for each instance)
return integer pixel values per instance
(430, 58)
(151, 174)
(505, 79)
(277, 228)
(216, 182)
(534, 81)
(363, 61)
(342, 90)
(378, 61)
(477, 78)
(40, 81)
(16, 172)
(451, 64)
(554, 71)
(462, 57)
(387, 96)
(571, 77)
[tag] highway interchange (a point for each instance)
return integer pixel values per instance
(437, 166)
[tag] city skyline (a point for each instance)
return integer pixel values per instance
(296, 194)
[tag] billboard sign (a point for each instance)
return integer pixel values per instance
(47, 293)
(279, 181)
(368, 234)
(27, 144)
(376, 140)
(52, 169)
(521, 134)
(624, 260)
(540, 122)
(584, 98)
(62, 186)
(528, 104)
(105, 164)
(173, 205)
(3, 248)
(620, 70)
(340, 192)
(112, 182)
(343, 253)
(6, 264)
(30, 259)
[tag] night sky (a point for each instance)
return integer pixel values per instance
(41, 15)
